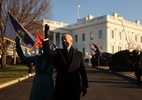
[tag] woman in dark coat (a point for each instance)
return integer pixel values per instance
(43, 87)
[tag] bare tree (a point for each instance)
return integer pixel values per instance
(27, 12)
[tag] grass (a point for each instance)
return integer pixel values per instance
(13, 72)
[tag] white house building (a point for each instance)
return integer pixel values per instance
(109, 32)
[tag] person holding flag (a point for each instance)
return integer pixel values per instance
(43, 85)
(95, 57)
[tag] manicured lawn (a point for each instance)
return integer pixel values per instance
(13, 72)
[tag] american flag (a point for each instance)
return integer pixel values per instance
(132, 44)
(94, 48)
(78, 5)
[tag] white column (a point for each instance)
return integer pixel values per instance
(60, 40)
(54, 38)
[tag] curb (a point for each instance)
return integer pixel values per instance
(15, 81)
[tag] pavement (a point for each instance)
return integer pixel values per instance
(127, 75)
(130, 76)
(103, 85)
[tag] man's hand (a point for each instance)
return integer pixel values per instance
(46, 31)
(83, 91)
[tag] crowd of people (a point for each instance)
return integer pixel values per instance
(71, 78)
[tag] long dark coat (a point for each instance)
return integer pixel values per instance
(137, 63)
(71, 74)
(43, 86)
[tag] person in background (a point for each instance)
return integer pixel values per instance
(137, 63)
(43, 85)
(95, 61)
(29, 65)
(71, 79)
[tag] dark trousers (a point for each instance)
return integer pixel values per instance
(30, 69)
(138, 79)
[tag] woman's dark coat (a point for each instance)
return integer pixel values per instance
(43, 86)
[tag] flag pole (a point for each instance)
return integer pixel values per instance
(78, 12)
(132, 44)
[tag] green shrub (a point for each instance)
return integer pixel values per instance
(121, 61)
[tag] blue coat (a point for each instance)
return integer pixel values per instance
(43, 87)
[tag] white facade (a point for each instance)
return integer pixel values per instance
(108, 32)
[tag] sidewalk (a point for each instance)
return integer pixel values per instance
(14, 81)
(130, 76)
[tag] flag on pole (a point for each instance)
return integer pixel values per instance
(132, 44)
(94, 49)
(39, 38)
(97, 51)
(14, 28)
(78, 6)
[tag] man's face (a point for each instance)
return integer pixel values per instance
(66, 38)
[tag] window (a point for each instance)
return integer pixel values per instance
(120, 35)
(91, 35)
(141, 39)
(76, 38)
(136, 37)
(119, 48)
(101, 48)
(83, 37)
(83, 51)
(112, 34)
(100, 34)
(112, 48)
(76, 48)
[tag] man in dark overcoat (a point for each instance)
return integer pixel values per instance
(137, 63)
(71, 78)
